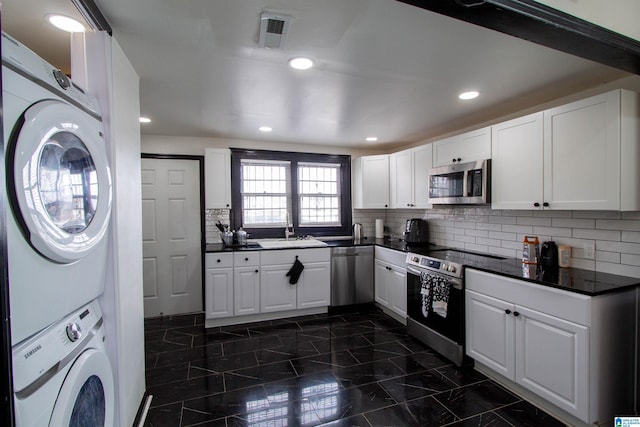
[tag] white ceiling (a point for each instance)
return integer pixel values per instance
(383, 68)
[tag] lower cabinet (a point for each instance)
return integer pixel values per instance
(248, 283)
(391, 281)
(218, 285)
(312, 288)
(556, 344)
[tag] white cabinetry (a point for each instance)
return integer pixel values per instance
(217, 178)
(516, 163)
(553, 343)
(582, 155)
(409, 170)
(218, 286)
(391, 282)
(371, 182)
(246, 283)
(467, 147)
(311, 290)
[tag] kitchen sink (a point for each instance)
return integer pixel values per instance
(291, 243)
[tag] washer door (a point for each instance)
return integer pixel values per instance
(86, 397)
(59, 180)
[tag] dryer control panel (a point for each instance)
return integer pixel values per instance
(35, 359)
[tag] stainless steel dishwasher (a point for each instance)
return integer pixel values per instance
(351, 275)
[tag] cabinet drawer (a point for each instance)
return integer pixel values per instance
(246, 259)
(288, 256)
(218, 259)
(555, 302)
(391, 256)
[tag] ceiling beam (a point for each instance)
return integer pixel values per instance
(540, 24)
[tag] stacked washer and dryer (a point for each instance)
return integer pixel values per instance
(59, 190)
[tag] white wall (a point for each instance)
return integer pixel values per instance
(110, 76)
(620, 16)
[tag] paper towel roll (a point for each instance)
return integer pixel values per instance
(379, 228)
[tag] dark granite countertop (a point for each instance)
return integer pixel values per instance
(577, 280)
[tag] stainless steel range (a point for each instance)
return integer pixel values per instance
(435, 304)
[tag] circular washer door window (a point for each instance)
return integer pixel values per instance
(61, 180)
(86, 397)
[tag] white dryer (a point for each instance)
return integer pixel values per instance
(62, 376)
(59, 190)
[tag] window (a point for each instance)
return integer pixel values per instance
(312, 192)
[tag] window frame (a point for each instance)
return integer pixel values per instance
(237, 155)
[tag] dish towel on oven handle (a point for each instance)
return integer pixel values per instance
(425, 292)
(440, 290)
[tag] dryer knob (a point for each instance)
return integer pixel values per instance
(74, 332)
(62, 80)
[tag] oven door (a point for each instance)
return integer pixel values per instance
(421, 309)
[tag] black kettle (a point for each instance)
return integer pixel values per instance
(549, 256)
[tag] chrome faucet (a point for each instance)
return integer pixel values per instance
(287, 232)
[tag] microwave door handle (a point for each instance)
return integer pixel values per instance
(465, 184)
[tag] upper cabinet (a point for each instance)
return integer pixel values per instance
(371, 182)
(409, 170)
(580, 156)
(217, 177)
(467, 147)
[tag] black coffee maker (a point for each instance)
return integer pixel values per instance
(549, 256)
(416, 232)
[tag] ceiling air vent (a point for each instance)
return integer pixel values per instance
(273, 30)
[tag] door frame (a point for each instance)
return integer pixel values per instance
(203, 237)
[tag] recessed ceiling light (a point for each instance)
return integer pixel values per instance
(372, 139)
(301, 63)
(65, 23)
(145, 120)
(469, 95)
(265, 129)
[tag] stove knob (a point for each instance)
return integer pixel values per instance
(445, 267)
(452, 268)
(74, 332)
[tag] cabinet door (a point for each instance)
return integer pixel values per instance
(219, 292)
(582, 154)
(422, 162)
(467, 147)
(552, 360)
(397, 286)
(490, 332)
(313, 290)
(371, 185)
(401, 179)
(381, 283)
(217, 182)
(276, 294)
(246, 290)
(516, 163)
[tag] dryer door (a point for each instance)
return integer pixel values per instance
(59, 180)
(86, 397)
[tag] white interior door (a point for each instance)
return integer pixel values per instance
(171, 234)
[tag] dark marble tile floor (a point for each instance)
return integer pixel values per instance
(355, 369)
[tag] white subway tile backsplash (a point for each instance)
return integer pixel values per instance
(626, 225)
(616, 235)
(631, 236)
(582, 233)
(613, 257)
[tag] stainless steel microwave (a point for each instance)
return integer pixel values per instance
(460, 184)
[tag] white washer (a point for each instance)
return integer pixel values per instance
(59, 190)
(62, 376)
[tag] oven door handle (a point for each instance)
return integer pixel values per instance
(453, 281)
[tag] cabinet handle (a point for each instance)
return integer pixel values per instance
(246, 259)
(219, 260)
(227, 204)
(459, 159)
(386, 206)
(536, 204)
(454, 160)
(257, 270)
(507, 311)
(545, 204)
(515, 313)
